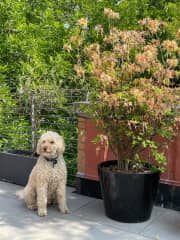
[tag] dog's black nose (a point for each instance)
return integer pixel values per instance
(45, 149)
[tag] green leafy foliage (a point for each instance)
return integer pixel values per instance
(32, 58)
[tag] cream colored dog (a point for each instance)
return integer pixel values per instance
(47, 181)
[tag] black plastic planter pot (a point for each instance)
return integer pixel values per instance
(128, 197)
(15, 166)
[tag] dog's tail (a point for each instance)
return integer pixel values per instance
(20, 194)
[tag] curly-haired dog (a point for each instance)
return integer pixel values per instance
(47, 181)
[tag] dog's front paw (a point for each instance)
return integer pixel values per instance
(64, 210)
(42, 212)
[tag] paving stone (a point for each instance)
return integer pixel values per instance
(87, 221)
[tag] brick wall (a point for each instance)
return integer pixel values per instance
(89, 157)
(81, 146)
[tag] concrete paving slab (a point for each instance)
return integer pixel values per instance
(103, 232)
(8, 189)
(86, 221)
(165, 227)
(95, 211)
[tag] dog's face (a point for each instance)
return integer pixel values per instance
(50, 145)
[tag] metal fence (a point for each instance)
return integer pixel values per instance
(25, 114)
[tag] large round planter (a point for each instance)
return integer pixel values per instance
(128, 197)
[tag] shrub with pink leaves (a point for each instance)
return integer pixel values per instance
(133, 81)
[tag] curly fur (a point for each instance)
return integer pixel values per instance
(47, 181)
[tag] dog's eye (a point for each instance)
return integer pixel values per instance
(51, 142)
(43, 141)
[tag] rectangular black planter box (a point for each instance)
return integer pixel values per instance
(15, 168)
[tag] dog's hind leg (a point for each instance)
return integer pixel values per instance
(30, 197)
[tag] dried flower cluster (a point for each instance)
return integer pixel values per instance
(67, 47)
(152, 25)
(133, 75)
(178, 34)
(170, 46)
(111, 14)
(79, 70)
(172, 63)
(76, 40)
(83, 22)
(99, 29)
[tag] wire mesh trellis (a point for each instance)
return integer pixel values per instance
(26, 114)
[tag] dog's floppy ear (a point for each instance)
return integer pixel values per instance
(60, 145)
(38, 148)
